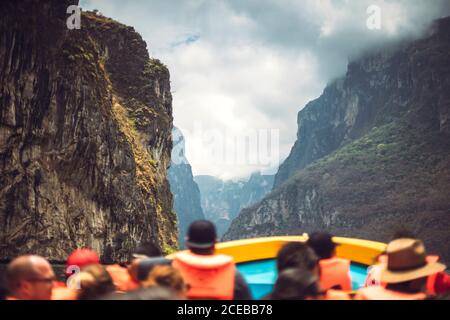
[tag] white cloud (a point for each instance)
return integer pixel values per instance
(238, 65)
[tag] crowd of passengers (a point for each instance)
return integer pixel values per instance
(306, 271)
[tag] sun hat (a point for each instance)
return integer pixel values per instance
(80, 258)
(407, 260)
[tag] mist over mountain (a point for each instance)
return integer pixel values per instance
(372, 153)
(259, 61)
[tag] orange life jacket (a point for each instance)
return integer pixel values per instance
(121, 278)
(335, 272)
(207, 276)
(441, 283)
(380, 293)
(64, 293)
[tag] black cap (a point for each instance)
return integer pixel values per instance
(322, 243)
(201, 235)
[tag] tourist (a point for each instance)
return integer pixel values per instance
(296, 284)
(405, 273)
(437, 284)
(196, 264)
(122, 275)
(334, 271)
(144, 259)
(374, 271)
(94, 282)
(29, 278)
(166, 276)
(297, 255)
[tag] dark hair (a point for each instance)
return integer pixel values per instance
(296, 255)
(95, 282)
(165, 276)
(403, 233)
(203, 252)
(148, 249)
(406, 287)
(322, 244)
(296, 284)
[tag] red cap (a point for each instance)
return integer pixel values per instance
(81, 258)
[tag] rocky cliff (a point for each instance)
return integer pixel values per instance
(222, 200)
(372, 154)
(85, 135)
(183, 187)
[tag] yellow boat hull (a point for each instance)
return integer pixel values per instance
(356, 250)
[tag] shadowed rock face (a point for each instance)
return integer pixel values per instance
(185, 191)
(372, 155)
(85, 136)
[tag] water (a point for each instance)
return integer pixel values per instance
(261, 276)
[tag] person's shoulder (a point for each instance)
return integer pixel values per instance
(241, 288)
(239, 277)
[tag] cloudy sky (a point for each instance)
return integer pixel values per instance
(241, 70)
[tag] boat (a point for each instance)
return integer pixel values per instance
(255, 258)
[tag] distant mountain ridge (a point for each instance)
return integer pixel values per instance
(222, 200)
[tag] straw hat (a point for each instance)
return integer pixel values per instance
(407, 260)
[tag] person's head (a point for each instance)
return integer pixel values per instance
(94, 282)
(145, 250)
(407, 266)
(166, 276)
(297, 255)
(322, 244)
(30, 278)
(296, 284)
(81, 258)
(403, 233)
(201, 237)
